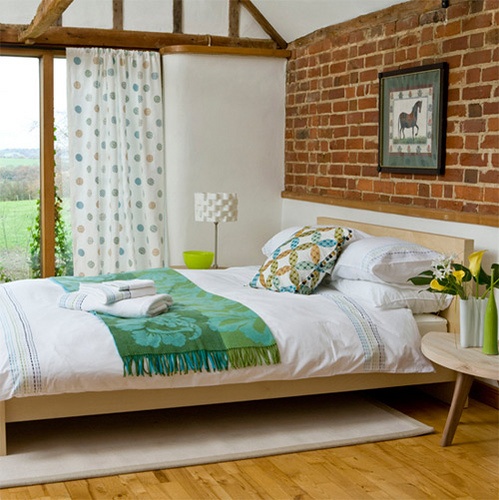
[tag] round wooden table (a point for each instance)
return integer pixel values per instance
(470, 362)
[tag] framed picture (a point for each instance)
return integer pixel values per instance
(413, 119)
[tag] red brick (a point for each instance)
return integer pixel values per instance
(490, 176)
(493, 124)
(491, 195)
(407, 188)
(491, 108)
(448, 29)
(357, 143)
(490, 74)
(407, 23)
(454, 44)
(477, 57)
(473, 159)
(490, 142)
(368, 103)
(388, 43)
(458, 9)
(477, 40)
(474, 126)
(436, 190)
(471, 142)
(477, 22)
(430, 49)
(471, 193)
(477, 92)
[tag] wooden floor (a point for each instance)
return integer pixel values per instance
(406, 468)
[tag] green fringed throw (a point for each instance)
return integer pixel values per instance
(200, 332)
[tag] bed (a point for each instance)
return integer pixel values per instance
(92, 382)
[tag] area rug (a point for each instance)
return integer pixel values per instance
(84, 447)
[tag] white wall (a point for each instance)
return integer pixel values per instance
(224, 131)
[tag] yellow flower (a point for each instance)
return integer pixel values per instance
(435, 285)
(476, 262)
(459, 275)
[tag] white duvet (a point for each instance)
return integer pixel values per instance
(319, 335)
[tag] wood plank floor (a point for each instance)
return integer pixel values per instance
(413, 468)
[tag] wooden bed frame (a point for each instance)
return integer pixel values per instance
(93, 403)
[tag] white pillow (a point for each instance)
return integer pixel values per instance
(383, 260)
(384, 296)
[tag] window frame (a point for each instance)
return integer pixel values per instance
(47, 167)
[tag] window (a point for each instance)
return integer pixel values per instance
(34, 211)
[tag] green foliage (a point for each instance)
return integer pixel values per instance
(63, 252)
(19, 183)
(4, 276)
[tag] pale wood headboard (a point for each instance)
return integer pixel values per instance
(447, 245)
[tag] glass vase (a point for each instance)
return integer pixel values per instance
(471, 319)
(490, 326)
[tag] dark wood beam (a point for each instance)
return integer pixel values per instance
(227, 51)
(61, 37)
(177, 16)
(262, 21)
(234, 14)
(117, 14)
(46, 15)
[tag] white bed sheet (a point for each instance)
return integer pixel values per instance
(319, 335)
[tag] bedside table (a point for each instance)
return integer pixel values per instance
(443, 348)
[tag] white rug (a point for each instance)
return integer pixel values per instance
(76, 448)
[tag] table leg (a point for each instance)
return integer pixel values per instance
(461, 391)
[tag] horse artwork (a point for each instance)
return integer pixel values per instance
(413, 119)
(409, 120)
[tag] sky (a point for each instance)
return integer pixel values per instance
(19, 100)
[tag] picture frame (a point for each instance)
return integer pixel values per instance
(413, 120)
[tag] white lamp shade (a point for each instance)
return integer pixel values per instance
(215, 207)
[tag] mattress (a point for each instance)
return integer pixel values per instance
(320, 335)
(430, 323)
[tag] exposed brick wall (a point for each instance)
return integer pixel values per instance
(332, 105)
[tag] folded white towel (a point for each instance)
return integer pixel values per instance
(109, 294)
(123, 285)
(150, 305)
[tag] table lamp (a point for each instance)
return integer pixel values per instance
(215, 207)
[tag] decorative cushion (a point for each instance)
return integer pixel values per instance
(384, 296)
(384, 260)
(278, 239)
(299, 264)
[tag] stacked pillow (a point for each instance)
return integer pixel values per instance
(377, 270)
(372, 269)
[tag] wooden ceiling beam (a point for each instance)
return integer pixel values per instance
(262, 21)
(234, 14)
(47, 14)
(117, 14)
(178, 22)
(62, 37)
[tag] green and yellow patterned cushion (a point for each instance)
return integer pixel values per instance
(300, 264)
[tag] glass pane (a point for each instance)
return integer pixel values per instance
(19, 163)
(63, 246)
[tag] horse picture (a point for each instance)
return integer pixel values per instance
(409, 120)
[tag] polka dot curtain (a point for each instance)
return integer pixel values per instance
(117, 171)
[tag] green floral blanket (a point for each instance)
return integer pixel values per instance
(200, 332)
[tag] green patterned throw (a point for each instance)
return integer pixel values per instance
(200, 332)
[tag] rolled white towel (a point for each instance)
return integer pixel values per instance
(150, 305)
(109, 294)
